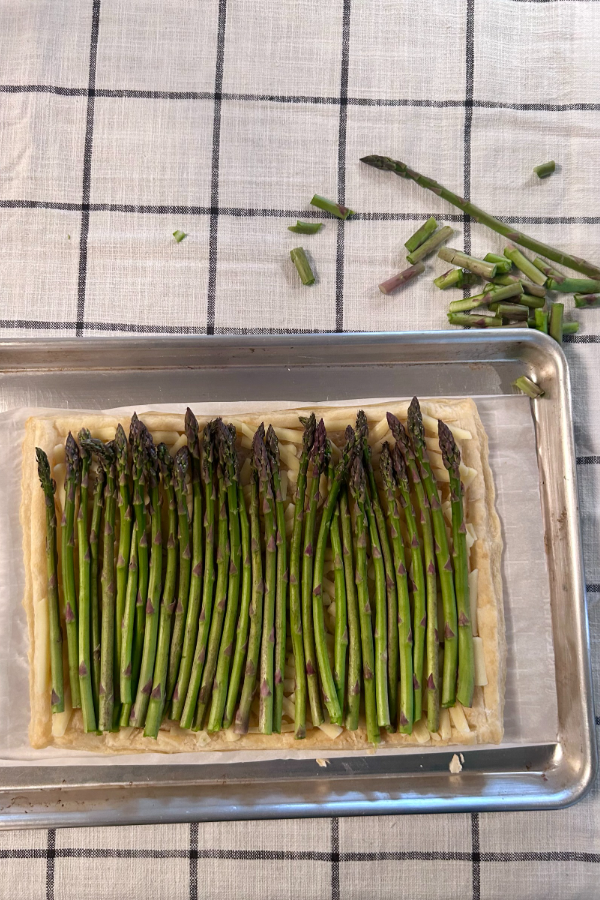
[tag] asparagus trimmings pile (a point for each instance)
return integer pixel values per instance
(194, 591)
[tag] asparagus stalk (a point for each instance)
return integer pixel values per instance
(68, 566)
(399, 280)
(125, 523)
(187, 610)
(570, 328)
(303, 267)
(421, 234)
(159, 682)
(390, 579)
(533, 290)
(510, 310)
(136, 439)
(545, 169)
(590, 301)
(466, 664)
(474, 321)
(418, 579)
(555, 327)
(354, 655)
(305, 227)
(328, 685)
(529, 387)
(547, 269)
(405, 447)
(220, 599)
(194, 662)
(358, 489)
(574, 285)
(541, 320)
(469, 303)
(315, 468)
(404, 627)
(525, 265)
(336, 209)
(243, 626)
(341, 616)
(451, 278)
(106, 691)
(401, 169)
(128, 628)
(503, 265)
(477, 266)
(98, 504)
(282, 578)
(144, 688)
(442, 552)
(431, 244)
(256, 610)
(57, 697)
(267, 652)
(85, 656)
(295, 595)
(221, 682)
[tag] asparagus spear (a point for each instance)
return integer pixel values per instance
(404, 627)
(417, 435)
(328, 685)
(106, 692)
(525, 265)
(570, 328)
(295, 596)
(555, 327)
(196, 662)
(98, 505)
(315, 468)
(57, 697)
(85, 656)
(354, 655)
(358, 489)
(221, 682)
(159, 682)
(431, 244)
(67, 545)
(243, 626)
(187, 609)
(144, 688)
(256, 609)
(128, 628)
(390, 580)
(336, 209)
(405, 447)
(466, 664)
(125, 522)
(282, 579)
(418, 579)
(341, 617)
(220, 599)
(303, 267)
(136, 439)
(267, 652)
(401, 169)
(396, 281)
(421, 234)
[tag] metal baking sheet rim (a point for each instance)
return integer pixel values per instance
(528, 777)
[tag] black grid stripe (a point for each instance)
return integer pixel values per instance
(51, 853)
(475, 857)
(136, 94)
(588, 460)
(50, 857)
(87, 170)
(593, 588)
(335, 859)
(214, 178)
(194, 861)
(343, 121)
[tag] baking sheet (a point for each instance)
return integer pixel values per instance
(531, 705)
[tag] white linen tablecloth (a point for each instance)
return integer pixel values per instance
(124, 120)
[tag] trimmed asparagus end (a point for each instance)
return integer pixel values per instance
(529, 387)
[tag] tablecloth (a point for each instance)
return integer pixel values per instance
(122, 121)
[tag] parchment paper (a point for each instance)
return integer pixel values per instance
(531, 708)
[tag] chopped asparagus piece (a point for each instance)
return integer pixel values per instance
(477, 266)
(589, 300)
(336, 209)
(421, 235)
(396, 281)
(556, 321)
(430, 245)
(525, 265)
(307, 276)
(474, 321)
(451, 278)
(305, 227)
(545, 169)
(179, 236)
(541, 320)
(503, 265)
(529, 387)
(574, 286)
(570, 328)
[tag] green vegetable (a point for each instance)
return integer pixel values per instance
(430, 245)
(179, 236)
(421, 234)
(299, 258)
(396, 281)
(528, 387)
(336, 209)
(545, 169)
(305, 227)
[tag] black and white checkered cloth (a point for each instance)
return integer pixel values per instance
(124, 120)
